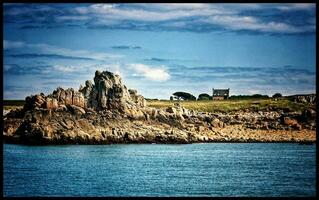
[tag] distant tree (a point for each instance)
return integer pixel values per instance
(277, 95)
(204, 96)
(183, 96)
(259, 96)
(171, 98)
(149, 99)
(243, 97)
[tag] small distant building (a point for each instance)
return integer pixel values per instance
(220, 94)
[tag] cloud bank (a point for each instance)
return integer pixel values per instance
(248, 18)
(50, 51)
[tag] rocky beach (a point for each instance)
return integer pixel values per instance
(106, 111)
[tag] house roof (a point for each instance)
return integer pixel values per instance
(220, 92)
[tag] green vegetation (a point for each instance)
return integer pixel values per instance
(234, 105)
(183, 96)
(277, 95)
(213, 106)
(11, 104)
(204, 96)
(245, 97)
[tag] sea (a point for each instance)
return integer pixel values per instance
(160, 170)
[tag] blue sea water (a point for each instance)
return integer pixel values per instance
(215, 169)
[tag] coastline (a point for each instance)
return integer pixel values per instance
(106, 112)
(226, 134)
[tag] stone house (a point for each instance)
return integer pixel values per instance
(220, 94)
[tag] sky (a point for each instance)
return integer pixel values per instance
(159, 49)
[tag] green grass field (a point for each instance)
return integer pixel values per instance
(212, 106)
(12, 104)
(233, 105)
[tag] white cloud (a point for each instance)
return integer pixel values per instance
(176, 6)
(164, 13)
(296, 6)
(12, 44)
(177, 15)
(151, 72)
(225, 15)
(71, 18)
(62, 68)
(279, 6)
(45, 48)
(236, 22)
(121, 14)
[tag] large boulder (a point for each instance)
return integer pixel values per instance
(51, 103)
(292, 122)
(289, 121)
(76, 110)
(34, 101)
(138, 99)
(108, 92)
(78, 99)
(68, 97)
(308, 114)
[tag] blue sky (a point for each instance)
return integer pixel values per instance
(159, 49)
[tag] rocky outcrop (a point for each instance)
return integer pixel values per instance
(106, 112)
(310, 98)
(58, 98)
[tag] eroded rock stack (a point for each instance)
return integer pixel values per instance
(107, 92)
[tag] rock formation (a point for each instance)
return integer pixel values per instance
(310, 98)
(107, 112)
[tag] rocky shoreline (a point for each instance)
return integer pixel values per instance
(106, 112)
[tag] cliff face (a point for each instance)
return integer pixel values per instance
(107, 112)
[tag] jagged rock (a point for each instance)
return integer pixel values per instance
(152, 112)
(310, 98)
(68, 97)
(290, 122)
(51, 103)
(171, 110)
(138, 99)
(162, 117)
(78, 99)
(107, 112)
(217, 123)
(308, 114)
(135, 114)
(297, 126)
(36, 101)
(86, 91)
(109, 91)
(178, 112)
(62, 108)
(76, 110)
